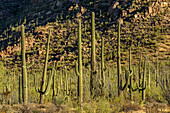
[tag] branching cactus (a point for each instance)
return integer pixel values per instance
(142, 86)
(79, 66)
(24, 70)
(44, 91)
(131, 89)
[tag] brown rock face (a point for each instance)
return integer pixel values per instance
(112, 8)
(150, 9)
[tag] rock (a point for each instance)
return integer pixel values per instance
(96, 5)
(119, 20)
(113, 7)
(135, 15)
(124, 13)
(74, 1)
(49, 12)
(59, 4)
(149, 9)
(83, 9)
(164, 4)
(131, 10)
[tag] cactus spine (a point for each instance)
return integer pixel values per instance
(93, 57)
(118, 61)
(79, 66)
(42, 90)
(24, 70)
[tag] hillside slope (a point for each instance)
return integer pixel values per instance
(145, 25)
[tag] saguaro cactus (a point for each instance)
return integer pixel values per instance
(131, 89)
(118, 61)
(143, 81)
(102, 64)
(24, 70)
(130, 70)
(54, 77)
(42, 90)
(79, 65)
(93, 57)
(157, 71)
(142, 86)
(149, 80)
(20, 90)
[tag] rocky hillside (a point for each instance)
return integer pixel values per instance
(144, 25)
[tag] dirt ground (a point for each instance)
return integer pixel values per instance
(52, 108)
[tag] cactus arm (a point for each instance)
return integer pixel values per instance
(76, 69)
(35, 84)
(126, 79)
(31, 64)
(137, 88)
(143, 88)
(45, 70)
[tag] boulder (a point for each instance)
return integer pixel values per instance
(150, 9)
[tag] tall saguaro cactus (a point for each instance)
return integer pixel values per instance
(102, 64)
(143, 81)
(93, 57)
(79, 66)
(118, 61)
(131, 84)
(24, 70)
(42, 89)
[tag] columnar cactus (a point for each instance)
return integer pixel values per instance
(24, 70)
(93, 57)
(140, 60)
(54, 76)
(79, 66)
(149, 80)
(102, 64)
(157, 71)
(130, 78)
(44, 90)
(118, 61)
(143, 85)
(20, 89)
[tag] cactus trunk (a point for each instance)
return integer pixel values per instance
(118, 61)
(93, 57)
(20, 89)
(143, 81)
(102, 65)
(45, 71)
(24, 70)
(130, 70)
